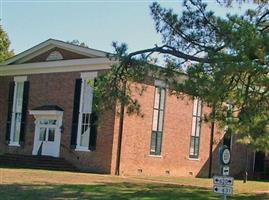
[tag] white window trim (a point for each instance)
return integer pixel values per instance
(54, 55)
(155, 156)
(14, 144)
(44, 114)
(160, 83)
(20, 78)
(88, 75)
(81, 148)
(17, 79)
(194, 159)
(85, 77)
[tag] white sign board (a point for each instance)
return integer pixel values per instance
(226, 156)
(224, 190)
(223, 181)
(225, 170)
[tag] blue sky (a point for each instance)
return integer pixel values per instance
(97, 23)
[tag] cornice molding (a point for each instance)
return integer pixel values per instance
(57, 66)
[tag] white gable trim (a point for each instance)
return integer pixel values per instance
(51, 43)
(57, 66)
(33, 54)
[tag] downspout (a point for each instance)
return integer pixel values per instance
(118, 159)
(246, 167)
(211, 143)
(253, 163)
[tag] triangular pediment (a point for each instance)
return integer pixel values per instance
(54, 50)
(56, 54)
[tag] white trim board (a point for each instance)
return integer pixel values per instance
(20, 78)
(57, 66)
(46, 113)
(88, 75)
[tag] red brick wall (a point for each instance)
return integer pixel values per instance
(4, 91)
(58, 89)
(174, 159)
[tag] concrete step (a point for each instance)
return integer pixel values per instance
(36, 162)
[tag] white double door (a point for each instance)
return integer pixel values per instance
(47, 137)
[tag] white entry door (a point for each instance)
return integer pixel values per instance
(47, 137)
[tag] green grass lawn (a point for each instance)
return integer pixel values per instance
(42, 184)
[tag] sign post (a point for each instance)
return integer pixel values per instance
(224, 184)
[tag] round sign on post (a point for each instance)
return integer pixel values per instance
(225, 155)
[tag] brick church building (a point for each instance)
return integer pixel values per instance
(46, 110)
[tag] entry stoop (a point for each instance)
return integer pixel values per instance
(36, 162)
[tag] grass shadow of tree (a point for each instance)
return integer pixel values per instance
(112, 191)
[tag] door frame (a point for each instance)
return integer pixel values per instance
(50, 115)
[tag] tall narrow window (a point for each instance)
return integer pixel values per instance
(227, 139)
(196, 128)
(16, 120)
(85, 110)
(158, 119)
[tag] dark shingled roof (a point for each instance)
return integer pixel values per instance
(49, 107)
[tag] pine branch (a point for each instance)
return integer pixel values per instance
(165, 49)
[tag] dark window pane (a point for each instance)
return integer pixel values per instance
(196, 152)
(83, 118)
(227, 140)
(162, 98)
(17, 127)
(51, 135)
(160, 127)
(159, 143)
(198, 126)
(52, 122)
(43, 121)
(156, 143)
(87, 118)
(42, 134)
(153, 142)
(192, 146)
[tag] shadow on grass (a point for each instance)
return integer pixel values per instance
(112, 191)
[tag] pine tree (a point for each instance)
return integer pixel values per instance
(225, 61)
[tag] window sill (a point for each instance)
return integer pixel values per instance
(194, 159)
(14, 144)
(84, 149)
(155, 156)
